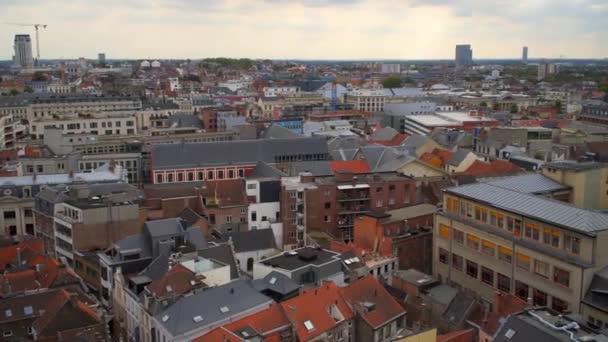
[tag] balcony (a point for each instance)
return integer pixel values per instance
(62, 216)
(349, 195)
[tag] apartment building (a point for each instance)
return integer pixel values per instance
(293, 203)
(588, 180)
(93, 123)
(45, 106)
(93, 217)
(490, 238)
(367, 100)
(338, 200)
(11, 131)
(280, 91)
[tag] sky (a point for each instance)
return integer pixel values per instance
(309, 29)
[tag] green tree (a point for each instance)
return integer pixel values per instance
(391, 82)
(514, 109)
(495, 106)
(14, 92)
(28, 89)
(483, 104)
(558, 105)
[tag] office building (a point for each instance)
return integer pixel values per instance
(490, 238)
(546, 69)
(101, 58)
(524, 54)
(23, 51)
(464, 55)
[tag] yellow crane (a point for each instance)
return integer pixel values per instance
(36, 26)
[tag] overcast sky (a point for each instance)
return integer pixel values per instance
(328, 29)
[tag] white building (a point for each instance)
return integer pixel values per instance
(391, 68)
(97, 124)
(174, 84)
(23, 51)
(280, 91)
(367, 100)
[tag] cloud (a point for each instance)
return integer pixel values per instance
(310, 28)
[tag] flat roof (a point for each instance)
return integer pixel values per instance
(301, 257)
(431, 120)
(463, 117)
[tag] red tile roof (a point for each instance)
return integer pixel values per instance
(226, 193)
(314, 306)
(493, 168)
(52, 273)
(264, 322)
(369, 289)
(178, 279)
(219, 335)
(431, 159)
(354, 166)
(444, 155)
(30, 250)
(397, 140)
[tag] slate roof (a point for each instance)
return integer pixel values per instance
(459, 157)
(409, 212)
(263, 169)
(533, 183)
(170, 226)
(282, 284)
(222, 253)
(189, 217)
(251, 240)
(226, 193)
(551, 211)
(240, 152)
(279, 132)
(597, 293)
(384, 134)
(182, 120)
(238, 296)
(315, 168)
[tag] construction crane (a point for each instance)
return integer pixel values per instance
(36, 26)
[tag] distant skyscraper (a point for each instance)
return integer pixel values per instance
(546, 69)
(23, 51)
(524, 54)
(101, 58)
(464, 55)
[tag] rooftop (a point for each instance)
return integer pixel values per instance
(551, 211)
(301, 257)
(572, 165)
(533, 183)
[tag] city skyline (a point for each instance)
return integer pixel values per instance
(309, 29)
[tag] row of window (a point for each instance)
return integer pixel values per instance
(191, 176)
(532, 231)
(505, 254)
(499, 281)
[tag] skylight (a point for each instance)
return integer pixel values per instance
(348, 262)
(165, 318)
(308, 325)
(510, 333)
(28, 310)
(224, 309)
(273, 280)
(197, 318)
(169, 288)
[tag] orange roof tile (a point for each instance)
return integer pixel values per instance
(493, 168)
(263, 322)
(354, 166)
(397, 140)
(444, 155)
(431, 159)
(178, 279)
(369, 289)
(219, 335)
(313, 306)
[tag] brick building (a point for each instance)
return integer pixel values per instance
(405, 232)
(225, 205)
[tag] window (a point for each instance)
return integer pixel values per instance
(487, 276)
(220, 174)
(541, 268)
(327, 218)
(180, 177)
(254, 216)
(391, 201)
(523, 261)
(292, 194)
(458, 236)
(503, 283)
(444, 231)
(522, 290)
(7, 333)
(551, 237)
(201, 176)
(572, 244)
(190, 176)
(228, 218)
(379, 203)
(9, 215)
(510, 223)
(539, 298)
(457, 262)
(159, 178)
(452, 205)
(488, 247)
(210, 175)
(505, 254)
(378, 190)
(170, 178)
(473, 242)
(561, 276)
(443, 256)
(472, 269)
(517, 228)
(559, 305)
(241, 173)
(327, 205)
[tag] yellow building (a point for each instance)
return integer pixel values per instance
(427, 336)
(491, 238)
(589, 181)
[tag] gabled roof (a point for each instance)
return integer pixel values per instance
(551, 211)
(458, 157)
(251, 240)
(177, 281)
(226, 193)
(493, 168)
(240, 152)
(262, 323)
(366, 293)
(276, 282)
(533, 183)
(263, 169)
(312, 308)
(384, 134)
(165, 227)
(222, 253)
(279, 132)
(206, 308)
(597, 293)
